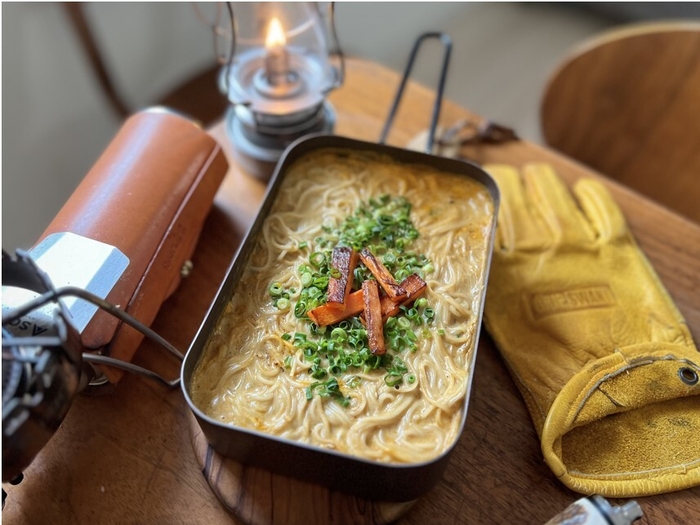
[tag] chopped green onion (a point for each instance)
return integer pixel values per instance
(300, 309)
(310, 349)
(321, 281)
(401, 274)
(338, 334)
(393, 379)
(317, 259)
(275, 290)
(306, 279)
(283, 303)
(317, 372)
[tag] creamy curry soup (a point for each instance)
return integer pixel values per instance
(268, 366)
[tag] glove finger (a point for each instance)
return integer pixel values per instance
(518, 228)
(557, 207)
(600, 209)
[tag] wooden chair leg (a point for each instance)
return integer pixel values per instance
(76, 15)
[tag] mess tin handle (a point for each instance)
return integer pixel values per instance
(447, 43)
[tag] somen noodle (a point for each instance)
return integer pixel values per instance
(254, 372)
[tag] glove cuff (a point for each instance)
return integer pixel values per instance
(626, 425)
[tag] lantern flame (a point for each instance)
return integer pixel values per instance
(275, 34)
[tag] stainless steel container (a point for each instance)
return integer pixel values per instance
(365, 478)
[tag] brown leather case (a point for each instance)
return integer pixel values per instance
(148, 195)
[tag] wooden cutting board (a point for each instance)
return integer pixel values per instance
(258, 497)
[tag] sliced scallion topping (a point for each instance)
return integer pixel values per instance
(307, 279)
(275, 289)
(283, 304)
(384, 226)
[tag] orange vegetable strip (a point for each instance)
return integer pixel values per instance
(384, 278)
(414, 286)
(344, 261)
(324, 315)
(389, 307)
(373, 317)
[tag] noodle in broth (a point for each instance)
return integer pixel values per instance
(250, 376)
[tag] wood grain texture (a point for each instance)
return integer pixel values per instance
(626, 103)
(127, 458)
(259, 497)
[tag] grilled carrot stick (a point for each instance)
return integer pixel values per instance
(324, 315)
(343, 261)
(414, 286)
(373, 317)
(384, 278)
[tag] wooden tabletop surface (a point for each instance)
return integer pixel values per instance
(126, 457)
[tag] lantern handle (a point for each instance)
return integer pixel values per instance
(224, 57)
(447, 43)
(340, 76)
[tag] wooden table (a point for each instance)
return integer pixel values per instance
(126, 457)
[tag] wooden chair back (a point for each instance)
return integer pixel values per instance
(197, 96)
(627, 103)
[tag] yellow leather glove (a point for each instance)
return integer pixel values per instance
(603, 358)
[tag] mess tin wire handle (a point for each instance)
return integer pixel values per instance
(447, 43)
